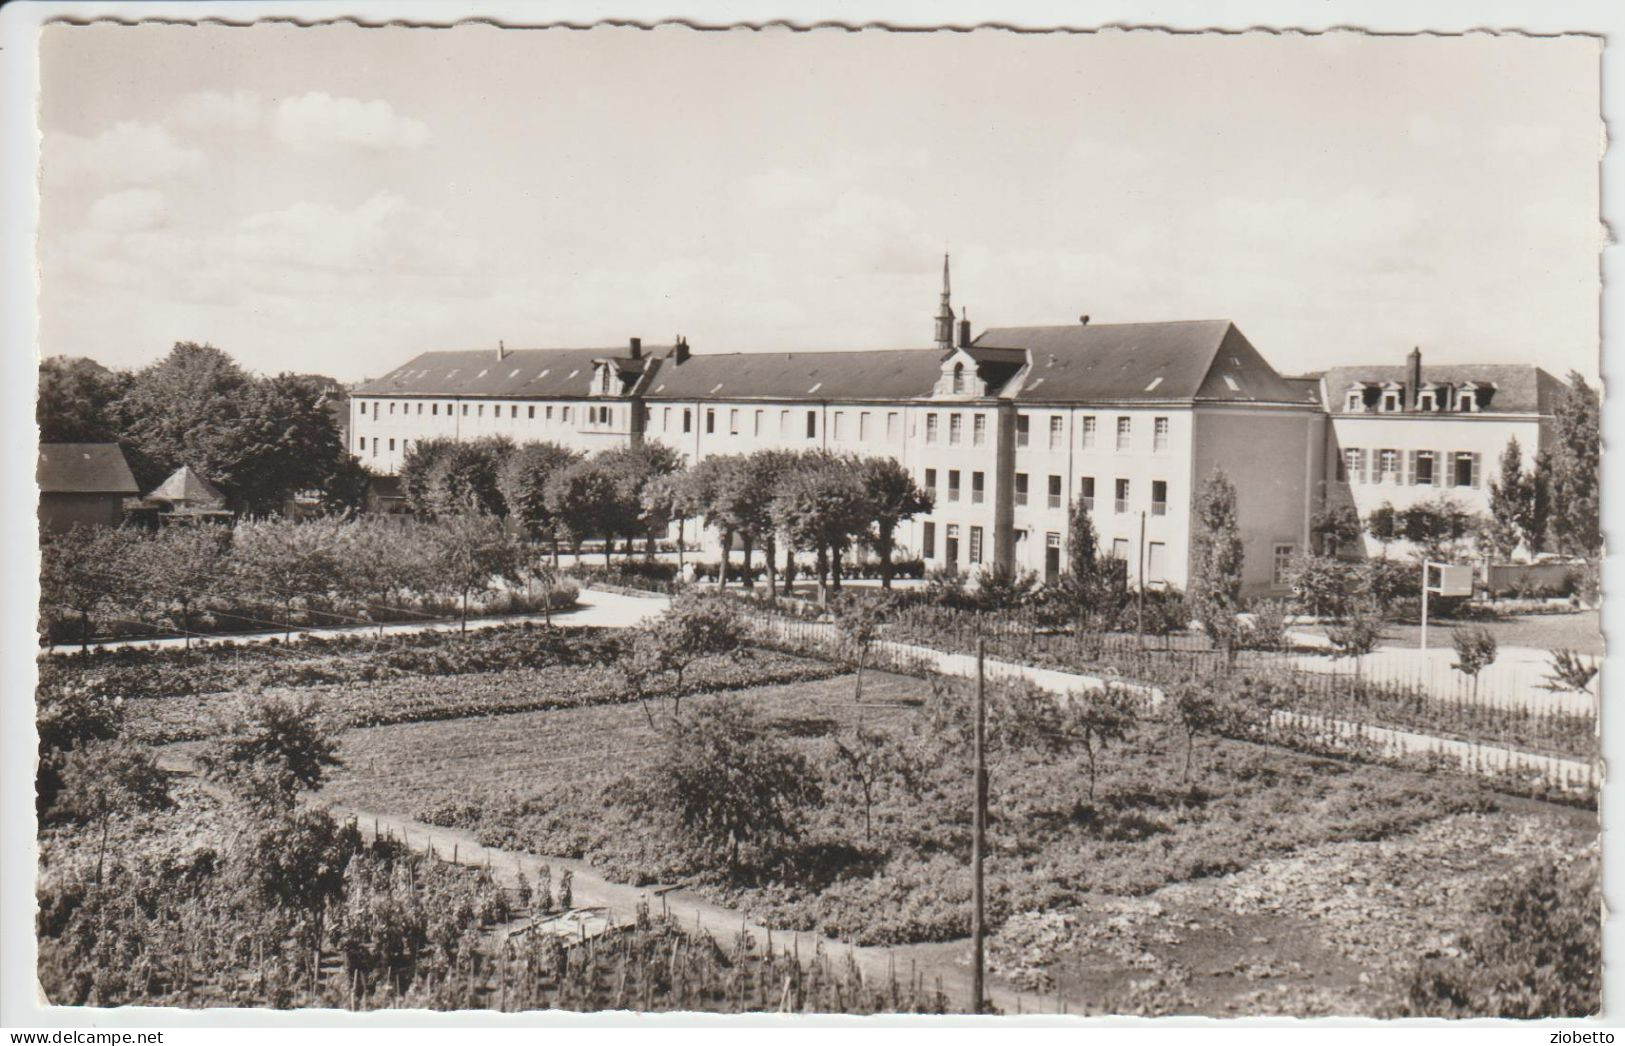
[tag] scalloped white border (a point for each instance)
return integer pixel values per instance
(19, 25)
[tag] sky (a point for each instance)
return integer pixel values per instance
(338, 199)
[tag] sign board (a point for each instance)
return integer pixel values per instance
(1445, 579)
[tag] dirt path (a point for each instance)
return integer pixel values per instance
(945, 963)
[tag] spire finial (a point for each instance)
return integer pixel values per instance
(945, 312)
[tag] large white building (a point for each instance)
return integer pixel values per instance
(1006, 430)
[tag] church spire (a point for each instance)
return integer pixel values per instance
(945, 313)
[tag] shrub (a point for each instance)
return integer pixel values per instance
(1267, 630)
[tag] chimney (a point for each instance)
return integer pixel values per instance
(681, 352)
(637, 348)
(964, 328)
(1084, 319)
(502, 350)
(1415, 390)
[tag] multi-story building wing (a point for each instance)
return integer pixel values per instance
(1401, 435)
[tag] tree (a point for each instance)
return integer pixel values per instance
(464, 477)
(872, 759)
(345, 486)
(583, 501)
(730, 783)
(1337, 527)
(523, 485)
(1216, 559)
(471, 551)
(1386, 524)
(285, 561)
(1096, 581)
(820, 508)
(178, 568)
(631, 470)
(858, 620)
(1100, 717)
(893, 497)
(1571, 671)
(106, 780)
(1356, 636)
(716, 487)
(693, 627)
(1322, 586)
(1195, 709)
(270, 749)
(1575, 466)
(69, 717)
(1518, 504)
(1435, 527)
(78, 401)
(85, 570)
(383, 557)
(418, 470)
(1475, 651)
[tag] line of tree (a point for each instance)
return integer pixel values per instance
(259, 439)
(277, 572)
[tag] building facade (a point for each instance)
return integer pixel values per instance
(82, 483)
(1009, 429)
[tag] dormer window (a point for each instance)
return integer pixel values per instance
(1467, 398)
(1428, 400)
(959, 379)
(1390, 401)
(1355, 402)
(603, 381)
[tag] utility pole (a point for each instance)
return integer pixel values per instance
(1139, 612)
(980, 828)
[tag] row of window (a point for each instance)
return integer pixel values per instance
(861, 425)
(1057, 431)
(595, 415)
(1054, 496)
(1460, 398)
(1414, 468)
(973, 548)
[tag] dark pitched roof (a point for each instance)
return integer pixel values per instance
(1520, 388)
(1190, 360)
(542, 373)
(186, 487)
(1308, 387)
(885, 374)
(83, 468)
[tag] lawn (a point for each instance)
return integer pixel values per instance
(1193, 853)
(1580, 631)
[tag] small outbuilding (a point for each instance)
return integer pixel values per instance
(188, 496)
(82, 483)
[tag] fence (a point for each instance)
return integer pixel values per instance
(1538, 739)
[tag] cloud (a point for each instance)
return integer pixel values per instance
(210, 110)
(130, 210)
(385, 234)
(126, 154)
(317, 120)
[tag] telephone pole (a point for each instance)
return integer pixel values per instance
(1139, 615)
(980, 828)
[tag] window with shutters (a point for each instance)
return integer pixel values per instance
(1422, 468)
(1021, 489)
(1086, 492)
(1387, 466)
(1057, 432)
(1055, 492)
(1466, 470)
(976, 488)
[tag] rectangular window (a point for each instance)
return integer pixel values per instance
(950, 545)
(733, 422)
(953, 484)
(756, 423)
(1021, 430)
(956, 429)
(1086, 492)
(784, 423)
(1156, 563)
(548, 411)
(1055, 492)
(1088, 427)
(928, 540)
(1057, 432)
(564, 414)
(1422, 468)
(1159, 497)
(375, 443)
(891, 425)
(465, 410)
(812, 424)
(688, 420)
(392, 446)
(1120, 504)
(1388, 466)
(976, 488)
(392, 406)
(931, 481)
(1466, 469)
(840, 426)
(930, 428)
(1281, 564)
(978, 436)
(420, 410)
(513, 410)
(710, 421)
(530, 413)
(975, 544)
(1120, 549)
(1159, 434)
(1390, 404)
(1355, 404)
(434, 408)
(479, 411)
(1021, 488)
(863, 426)
(363, 443)
(1125, 429)
(665, 419)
